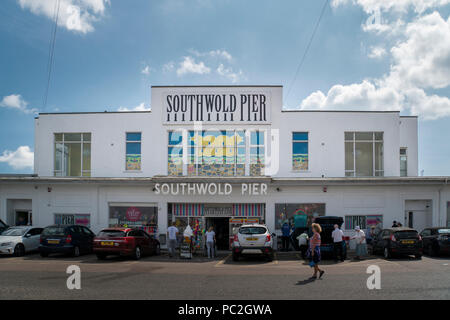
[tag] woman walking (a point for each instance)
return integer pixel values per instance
(361, 246)
(314, 251)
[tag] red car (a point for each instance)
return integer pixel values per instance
(125, 242)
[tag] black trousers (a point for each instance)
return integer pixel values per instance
(285, 243)
(337, 246)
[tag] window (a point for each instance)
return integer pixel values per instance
(364, 154)
(300, 151)
(175, 153)
(72, 155)
(216, 153)
(403, 162)
(134, 216)
(257, 153)
(297, 214)
(133, 151)
(363, 221)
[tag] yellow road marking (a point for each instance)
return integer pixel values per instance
(222, 261)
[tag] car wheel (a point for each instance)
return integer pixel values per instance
(43, 254)
(269, 258)
(418, 256)
(137, 253)
(101, 256)
(19, 250)
(76, 251)
(235, 257)
(387, 253)
(158, 250)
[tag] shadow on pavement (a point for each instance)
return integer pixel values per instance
(304, 282)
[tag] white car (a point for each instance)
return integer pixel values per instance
(19, 240)
(253, 239)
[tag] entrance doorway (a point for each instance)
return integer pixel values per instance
(222, 229)
(23, 218)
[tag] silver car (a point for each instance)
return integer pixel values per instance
(19, 240)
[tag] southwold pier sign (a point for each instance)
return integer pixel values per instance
(212, 189)
(211, 108)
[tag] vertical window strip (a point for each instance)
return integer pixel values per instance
(300, 142)
(133, 160)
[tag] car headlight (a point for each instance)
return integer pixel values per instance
(6, 244)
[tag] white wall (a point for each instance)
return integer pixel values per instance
(408, 139)
(326, 135)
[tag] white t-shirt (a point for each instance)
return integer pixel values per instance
(172, 232)
(210, 236)
(337, 235)
(360, 237)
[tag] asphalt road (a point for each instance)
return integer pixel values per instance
(287, 277)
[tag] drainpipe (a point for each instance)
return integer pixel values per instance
(439, 199)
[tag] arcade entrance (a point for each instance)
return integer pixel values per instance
(222, 229)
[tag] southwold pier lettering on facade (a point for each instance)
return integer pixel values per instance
(182, 108)
(212, 189)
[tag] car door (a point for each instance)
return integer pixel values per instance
(151, 243)
(35, 236)
(145, 242)
(426, 237)
(88, 238)
(377, 241)
(27, 240)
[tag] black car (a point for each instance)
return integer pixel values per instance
(327, 244)
(67, 239)
(3, 226)
(436, 240)
(398, 241)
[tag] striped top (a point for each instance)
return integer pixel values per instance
(315, 241)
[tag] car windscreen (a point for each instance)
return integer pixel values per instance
(112, 234)
(14, 232)
(409, 234)
(2, 225)
(252, 230)
(54, 231)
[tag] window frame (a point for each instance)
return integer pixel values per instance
(374, 141)
(198, 160)
(63, 142)
(405, 156)
(292, 150)
(126, 153)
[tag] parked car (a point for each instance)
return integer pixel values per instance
(67, 239)
(436, 240)
(395, 241)
(327, 244)
(3, 226)
(19, 240)
(125, 242)
(253, 239)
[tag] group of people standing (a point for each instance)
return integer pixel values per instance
(172, 241)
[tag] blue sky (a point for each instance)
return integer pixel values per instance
(367, 55)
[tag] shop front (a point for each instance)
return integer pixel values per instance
(134, 215)
(224, 218)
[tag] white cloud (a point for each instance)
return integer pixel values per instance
(140, 107)
(420, 60)
(376, 52)
(222, 54)
(74, 15)
(22, 158)
(358, 96)
(423, 59)
(146, 70)
(168, 67)
(401, 6)
(228, 73)
(15, 101)
(188, 65)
